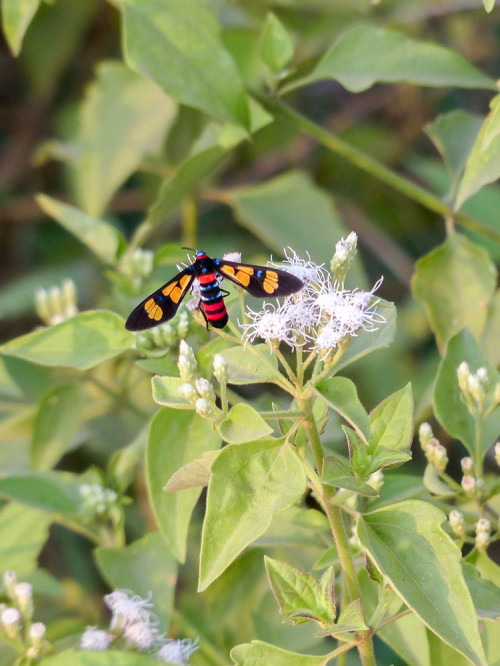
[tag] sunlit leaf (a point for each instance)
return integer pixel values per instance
(257, 653)
(16, 17)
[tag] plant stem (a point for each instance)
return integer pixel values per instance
(478, 458)
(374, 167)
(334, 516)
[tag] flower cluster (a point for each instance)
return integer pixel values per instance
(56, 304)
(321, 315)
(96, 502)
(156, 341)
(137, 266)
(475, 388)
(133, 621)
(16, 620)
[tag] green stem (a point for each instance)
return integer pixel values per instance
(478, 458)
(334, 516)
(373, 166)
(286, 365)
(281, 414)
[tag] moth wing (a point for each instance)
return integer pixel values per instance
(259, 281)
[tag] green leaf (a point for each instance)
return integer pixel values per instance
(23, 533)
(483, 164)
(337, 473)
(391, 427)
(450, 411)
(491, 335)
(192, 475)
(145, 566)
(251, 365)
(280, 209)
(299, 595)
(277, 46)
(166, 392)
(455, 282)
(434, 484)
(101, 237)
(365, 54)
(176, 438)
(340, 394)
(123, 464)
(178, 45)
(367, 341)
(56, 492)
(107, 658)
(485, 565)
(351, 619)
(257, 653)
(454, 134)
(409, 547)
(59, 417)
(82, 342)
(16, 17)
(484, 593)
(248, 484)
(243, 424)
(124, 118)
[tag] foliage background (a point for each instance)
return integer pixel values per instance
(63, 134)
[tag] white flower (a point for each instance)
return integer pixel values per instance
(127, 608)
(10, 617)
(310, 273)
(232, 256)
(95, 639)
(271, 323)
(177, 651)
(141, 634)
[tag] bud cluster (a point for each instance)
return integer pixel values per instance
(434, 451)
(345, 251)
(457, 523)
(198, 390)
(96, 502)
(16, 619)
(156, 341)
(56, 304)
(137, 266)
(475, 388)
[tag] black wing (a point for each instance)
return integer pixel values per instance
(259, 280)
(161, 305)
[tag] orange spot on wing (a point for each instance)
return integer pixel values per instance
(243, 278)
(229, 269)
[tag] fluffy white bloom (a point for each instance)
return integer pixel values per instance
(306, 270)
(10, 616)
(128, 608)
(95, 639)
(141, 634)
(177, 651)
(271, 323)
(232, 256)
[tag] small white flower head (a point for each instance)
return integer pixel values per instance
(127, 608)
(37, 632)
(483, 525)
(141, 634)
(220, 368)
(482, 375)
(56, 304)
(482, 541)
(182, 321)
(463, 374)
(436, 454)
(96, 501)
(206, 409)
(205, 389)
(467, 464)
(271, 324)
(343, 313)
(96, 640)
(424, 434)
(312, 275)
(187, 362)
(232, 256)
(468, 483)
(457, 523)
(189, 392)
(497, 453)
(177, 651)
(476, 389)
(23, 593)
(11, 621)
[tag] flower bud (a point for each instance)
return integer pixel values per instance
(11, 621)
(205, 408)
(496, 394)
(483, 525)
(497, 453)
(187, 362)
(56, 304)
(37, 634)
(456, 519)
(467, 464)
(476, 389)
(221, 370)
(205, 389)
(424, 434)
(189, 392)
(436, 454)
(23, 593)
(10, 582)
(182, 324)
(463, 374)
(345, 251)
(482, 541)
(468, 483)
(95, 639)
